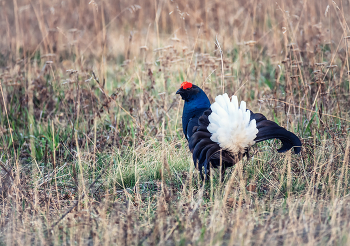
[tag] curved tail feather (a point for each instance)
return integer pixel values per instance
(270, 130)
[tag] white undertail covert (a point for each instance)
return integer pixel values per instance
(230, 125)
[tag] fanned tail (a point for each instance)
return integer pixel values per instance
(230, 124)
(205, 150)
(270, 130)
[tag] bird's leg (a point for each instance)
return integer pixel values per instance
(208, 174)
(205, 176)
(223, 169)
(200, 170)
(206, 171)
(202, 176)
(247, 154)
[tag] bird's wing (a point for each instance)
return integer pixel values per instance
(204, 150)
(190, 123)
(191, 126)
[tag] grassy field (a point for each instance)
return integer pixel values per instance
(91, 144)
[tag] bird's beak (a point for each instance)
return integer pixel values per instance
(179, 91)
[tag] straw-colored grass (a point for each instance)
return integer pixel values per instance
(92, 150)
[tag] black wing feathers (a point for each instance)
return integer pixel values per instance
(204, 150)
(198, 136)
(192, 123)
(200, 146)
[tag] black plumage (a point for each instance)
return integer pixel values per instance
(204, 151)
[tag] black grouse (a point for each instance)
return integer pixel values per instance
(223, 131)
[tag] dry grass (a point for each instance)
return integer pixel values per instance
(92, 150)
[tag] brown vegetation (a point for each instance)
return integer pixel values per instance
(91, 148)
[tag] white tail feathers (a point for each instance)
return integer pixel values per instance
(230, 125)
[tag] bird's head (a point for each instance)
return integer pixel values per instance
(188, 91)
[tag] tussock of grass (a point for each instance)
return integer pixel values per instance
(92, 149)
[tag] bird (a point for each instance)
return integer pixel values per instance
(221, 133)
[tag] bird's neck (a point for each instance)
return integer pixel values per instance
(195, 107)
(198, 101)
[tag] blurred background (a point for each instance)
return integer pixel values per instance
(113, 38)
(89, 118)
(121, 28)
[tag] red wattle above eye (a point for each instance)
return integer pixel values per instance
(185, 85)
